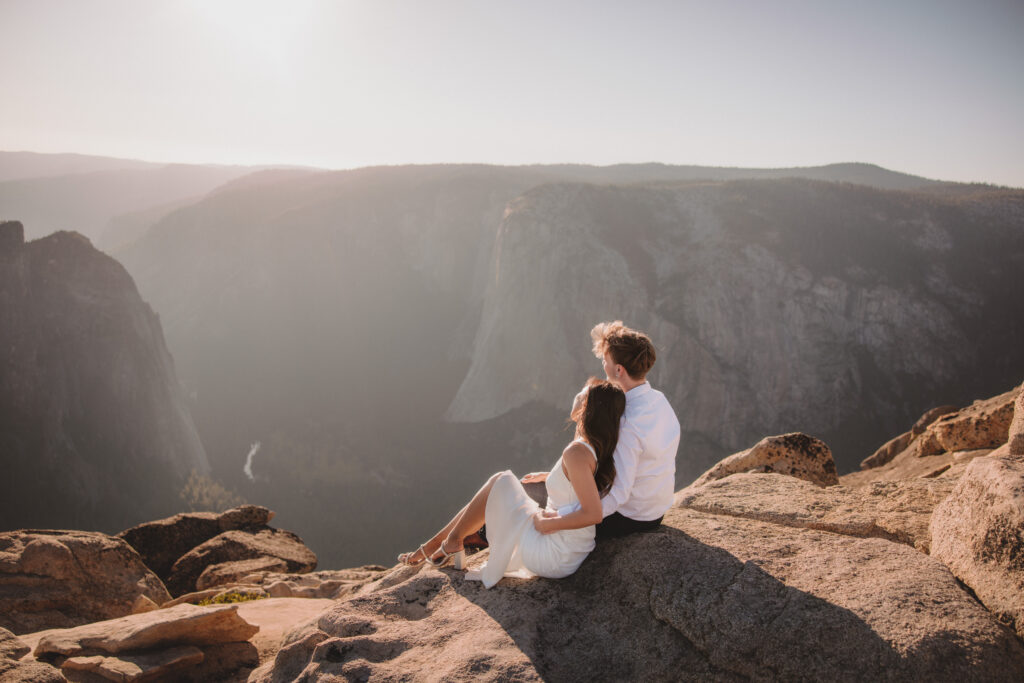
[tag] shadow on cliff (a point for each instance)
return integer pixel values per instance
(664, 605)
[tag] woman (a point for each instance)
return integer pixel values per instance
(524, 539)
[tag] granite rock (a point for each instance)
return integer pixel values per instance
(797, 455)
(983, 424)
(232, 546)
(236, 571)
(896, 511)
(59, 579)
(704, 597)
(162, 542)
(978, 532)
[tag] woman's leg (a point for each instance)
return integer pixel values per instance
(470, 518)
(474, 509)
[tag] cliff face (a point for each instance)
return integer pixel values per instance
(94, 431)
(777, 306)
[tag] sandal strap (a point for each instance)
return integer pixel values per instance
(445, 555)
(408, 556)
(429, 559)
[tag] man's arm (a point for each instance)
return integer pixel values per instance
(626, 457)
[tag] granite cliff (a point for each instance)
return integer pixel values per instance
(777, 306)
(94, 430)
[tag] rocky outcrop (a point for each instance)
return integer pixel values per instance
(234, 546)
(95, 430)
(185, 643)
(887, 451)
(944, 441)
(797, 455)
(983, 424)
(896, 511)
(705, 597)
(162, 542)
(59, 579)
(978, 532)
(897, 445)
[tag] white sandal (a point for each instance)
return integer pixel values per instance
(457, 558)
(408, 556)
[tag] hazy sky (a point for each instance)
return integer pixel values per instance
(929, 87)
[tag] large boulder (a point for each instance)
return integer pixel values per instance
(58, 579)
(706, 597)
(797, 455)
(162, 542)
(897, 511)
(978, 531)
(232, 546)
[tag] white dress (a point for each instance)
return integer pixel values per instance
(516, 547)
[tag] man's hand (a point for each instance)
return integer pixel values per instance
(534, 477)
(542, 521)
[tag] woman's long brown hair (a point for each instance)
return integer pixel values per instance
(597, 421)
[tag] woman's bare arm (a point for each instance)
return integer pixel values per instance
(579, 465)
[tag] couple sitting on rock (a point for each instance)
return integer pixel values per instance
(617, 476)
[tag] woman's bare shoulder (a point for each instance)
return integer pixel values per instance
(577, 453)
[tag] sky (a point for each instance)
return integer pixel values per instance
(928, 87)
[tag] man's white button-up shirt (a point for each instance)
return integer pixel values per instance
(645, 457)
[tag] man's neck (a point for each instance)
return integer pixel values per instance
(627, 383)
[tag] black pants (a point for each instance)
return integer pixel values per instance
(616, 525)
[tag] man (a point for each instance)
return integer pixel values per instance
(645, 457)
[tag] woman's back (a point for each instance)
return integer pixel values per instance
(560, 490)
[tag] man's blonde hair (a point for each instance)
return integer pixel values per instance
(631, 349)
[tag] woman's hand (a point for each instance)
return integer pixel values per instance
(534, 477)
(542, 521)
